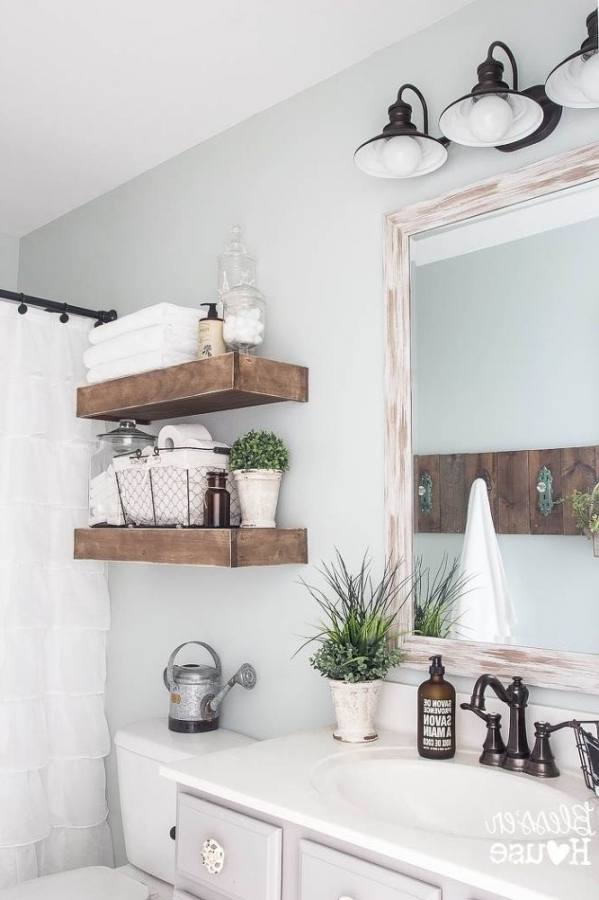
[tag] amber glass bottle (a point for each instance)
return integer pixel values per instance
(436, 714)
(217, 502)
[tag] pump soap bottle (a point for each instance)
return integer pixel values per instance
(436, 714)
(210, 334)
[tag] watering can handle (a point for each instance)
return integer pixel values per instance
(168, 672)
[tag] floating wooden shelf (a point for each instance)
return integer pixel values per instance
(227, 547)
(223, 382)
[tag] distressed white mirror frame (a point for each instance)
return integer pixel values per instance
(544, 668)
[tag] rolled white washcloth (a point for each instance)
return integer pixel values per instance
(158, 314)
(173, 436)
(133, 365)
(178, 338)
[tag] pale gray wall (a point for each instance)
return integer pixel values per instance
(315, 223)
(505, 358)
(9, 262)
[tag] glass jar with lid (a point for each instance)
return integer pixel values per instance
(104, 505)
(244, 313)
(235, 265)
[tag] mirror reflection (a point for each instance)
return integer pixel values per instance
(505, 375)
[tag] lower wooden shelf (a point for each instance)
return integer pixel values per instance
(225, 547)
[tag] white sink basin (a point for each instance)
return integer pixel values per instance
(455, 797)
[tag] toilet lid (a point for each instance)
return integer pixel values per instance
(91, 883)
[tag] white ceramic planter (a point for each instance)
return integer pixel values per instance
(596, 544)
(355, 708)
(258, 491)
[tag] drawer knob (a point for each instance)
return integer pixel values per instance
(213, 856)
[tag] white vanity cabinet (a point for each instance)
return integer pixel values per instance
(233, 854)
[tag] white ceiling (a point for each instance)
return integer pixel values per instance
(94, 92)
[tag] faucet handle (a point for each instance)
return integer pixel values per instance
(542, 761)
(493, 748)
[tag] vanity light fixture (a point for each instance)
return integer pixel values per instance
(401, 151)
(575, 81)
(496, 115)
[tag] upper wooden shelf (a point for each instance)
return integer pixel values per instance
(223, 382)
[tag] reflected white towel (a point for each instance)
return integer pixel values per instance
(178, 338)
(485, 610)
(143, 362)
(159, 314)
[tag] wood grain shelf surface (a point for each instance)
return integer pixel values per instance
(225, 547)
(229, 381)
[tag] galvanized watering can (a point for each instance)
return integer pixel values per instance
(197, 691)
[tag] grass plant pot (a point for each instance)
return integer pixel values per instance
(258, 491)
(355, 709)
(596, 543)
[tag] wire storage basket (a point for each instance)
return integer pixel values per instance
(587, 741)
(166, 488)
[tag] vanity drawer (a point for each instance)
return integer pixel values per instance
(326, 874)
(241, 858)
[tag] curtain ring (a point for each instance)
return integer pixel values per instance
(22, 307)
(64, 316)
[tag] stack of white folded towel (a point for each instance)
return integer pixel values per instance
(151, 338)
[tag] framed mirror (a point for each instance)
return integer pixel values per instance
(492, 423)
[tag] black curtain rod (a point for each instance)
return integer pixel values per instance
(53, 306)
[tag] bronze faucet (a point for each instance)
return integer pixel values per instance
(515, 756)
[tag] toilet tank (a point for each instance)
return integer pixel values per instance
(149, 801)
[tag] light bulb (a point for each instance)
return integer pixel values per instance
(589, 78)
(401, 155)
(490, 118)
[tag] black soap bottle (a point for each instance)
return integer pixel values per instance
(436, 714)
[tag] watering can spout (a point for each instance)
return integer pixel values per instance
(245, 676)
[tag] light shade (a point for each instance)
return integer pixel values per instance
(575, 81)
(370, 157)
(401, 150)
(492, 114)
(457, 123)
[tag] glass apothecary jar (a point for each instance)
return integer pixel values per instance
(104, 504)
(235, 265)
(244, 313)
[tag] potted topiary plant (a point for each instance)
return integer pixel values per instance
(585, 508)
(355, 640)
(257, 461)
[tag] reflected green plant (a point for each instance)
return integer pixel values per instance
(436, 596)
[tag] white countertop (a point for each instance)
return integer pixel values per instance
(275, 777)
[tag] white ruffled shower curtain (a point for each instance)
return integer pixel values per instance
(54, 612)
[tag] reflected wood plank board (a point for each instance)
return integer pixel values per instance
(513, 514)
(427, 522)
(550, 668)
(579, 473)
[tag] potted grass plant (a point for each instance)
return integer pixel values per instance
(585, 509)
(257, 461)
(356, 640)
